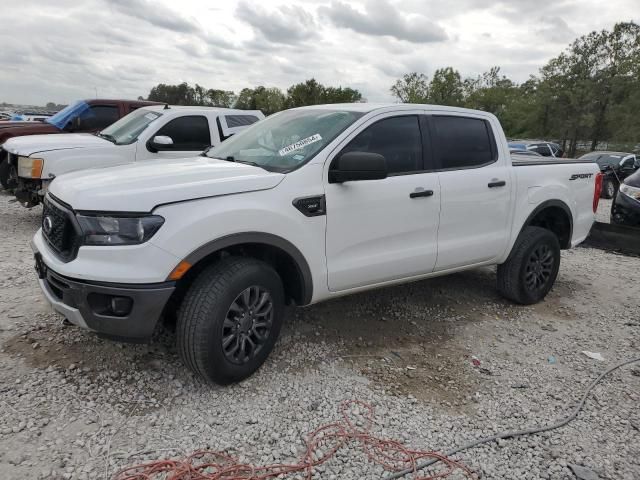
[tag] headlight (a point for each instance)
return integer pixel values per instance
(629, 191)
(30, 167)
(115, 230)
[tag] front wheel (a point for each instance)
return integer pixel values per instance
(230, 319)
(532, 267)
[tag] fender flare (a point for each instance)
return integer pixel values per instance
(547, 204)
(260, 238)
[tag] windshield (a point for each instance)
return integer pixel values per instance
(127, 130)
(67, 114)
(286, 140)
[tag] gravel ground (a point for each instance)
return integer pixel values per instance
(604, 210)
(75, 406)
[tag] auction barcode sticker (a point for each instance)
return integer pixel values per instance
(300, 144)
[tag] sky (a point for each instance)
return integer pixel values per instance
(65, 50)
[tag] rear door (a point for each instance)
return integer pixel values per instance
(475, 187)
(381, 230)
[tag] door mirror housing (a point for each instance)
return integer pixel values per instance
(356, 166)
(160, 142)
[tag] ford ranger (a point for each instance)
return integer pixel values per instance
(148, 133)
(307, 205)
(82, 116)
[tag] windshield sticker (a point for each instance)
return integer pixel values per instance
(300, 144)
(151, 116)
(298, 157)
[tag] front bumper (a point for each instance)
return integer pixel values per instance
(90, 305)
(625, 211)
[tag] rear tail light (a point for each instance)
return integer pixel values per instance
(597, 191)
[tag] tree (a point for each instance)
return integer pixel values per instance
(446, 88)
(220, 98)
(341, 95)
(268, 100)
(181, 94)
(412, 88)
(307, 93)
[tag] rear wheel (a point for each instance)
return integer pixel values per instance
(609, 189)
(230, 319)
(531, 269)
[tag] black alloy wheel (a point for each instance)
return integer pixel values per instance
(247, 325)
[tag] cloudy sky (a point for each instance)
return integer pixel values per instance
(69, 49)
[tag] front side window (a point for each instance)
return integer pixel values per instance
(286, 140)
(397, 139)
(463, 142)
(127, 130)
(98, 117)
(190, 133)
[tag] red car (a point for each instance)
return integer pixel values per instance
(82, 116)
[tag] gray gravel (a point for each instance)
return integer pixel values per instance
(75, 406)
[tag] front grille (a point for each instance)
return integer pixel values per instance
(58, 229)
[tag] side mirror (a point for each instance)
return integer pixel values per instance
(354, 166)
(160, 142)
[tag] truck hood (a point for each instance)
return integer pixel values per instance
(45, 143)
(142, 186)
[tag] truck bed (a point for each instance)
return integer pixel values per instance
(520, 160)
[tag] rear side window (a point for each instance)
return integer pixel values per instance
(188, 133)
(98, 117)
(397, 139)
(462, 142)
(240, 120)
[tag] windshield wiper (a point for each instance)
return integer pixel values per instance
(246, 162)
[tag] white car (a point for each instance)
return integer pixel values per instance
(304, 206)
(148, 133)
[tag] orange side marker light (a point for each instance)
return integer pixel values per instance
(178, 272)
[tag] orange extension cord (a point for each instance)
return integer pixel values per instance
(211, 465)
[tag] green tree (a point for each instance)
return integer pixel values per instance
(412, 88)
(446, 88)
(341, 95)
(268, 100)
(308, 93)
(220, 98)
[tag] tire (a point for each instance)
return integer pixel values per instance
(211, 311)
(609, 189)
(532, 267)
(4, 174)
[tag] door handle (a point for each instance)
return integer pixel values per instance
(500, 183)
(421, 193)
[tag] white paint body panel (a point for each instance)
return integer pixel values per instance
(72, 152)
(372, 235)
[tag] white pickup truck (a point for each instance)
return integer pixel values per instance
(307, 205)
(148, 133)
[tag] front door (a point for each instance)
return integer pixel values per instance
(381, 230)
(190, 135)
